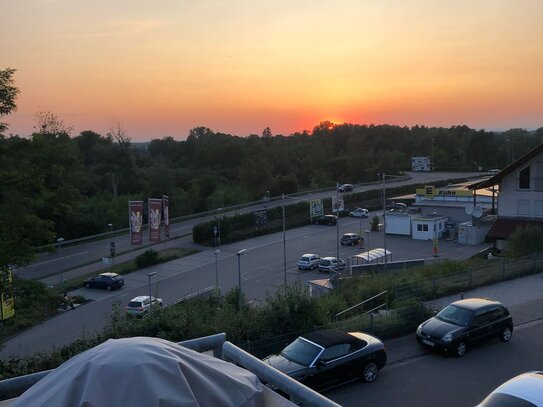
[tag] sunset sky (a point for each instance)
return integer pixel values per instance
(163, 67)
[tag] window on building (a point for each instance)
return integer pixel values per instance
(419, 228)
(425, 228)
(524, 178)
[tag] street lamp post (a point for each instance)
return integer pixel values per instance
(384, 220)
(242, 252)
(284, 240)
(111, 244)
(216, 252)
(59, 242)
(368, 244)
(337, 222)
(217, 231)
(149, 275)
(283, 197)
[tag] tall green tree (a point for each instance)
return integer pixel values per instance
(8, 94)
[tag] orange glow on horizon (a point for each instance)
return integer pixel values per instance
(239, 67)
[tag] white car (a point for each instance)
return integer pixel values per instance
(328, 264)
(359, 213)
(309, 261)
(141, 306)
(523, 390)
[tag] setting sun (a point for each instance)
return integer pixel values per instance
(238, 67)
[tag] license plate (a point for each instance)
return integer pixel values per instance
(424, 341)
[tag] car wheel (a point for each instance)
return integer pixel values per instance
(506, 334)
(460, 349)
(108, 287)
(369, 372)
(87, 285)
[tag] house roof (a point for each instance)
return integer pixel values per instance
(497, 179)
(503, 228)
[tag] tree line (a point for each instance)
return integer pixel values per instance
(55, 184)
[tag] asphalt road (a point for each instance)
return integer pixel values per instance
(262, 273)
(90, 253)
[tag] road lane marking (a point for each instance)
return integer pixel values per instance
(56, 259)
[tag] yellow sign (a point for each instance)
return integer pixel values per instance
(429, 191)
(7, 307)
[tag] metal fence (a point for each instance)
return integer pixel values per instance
(495, 271)
(389, 323)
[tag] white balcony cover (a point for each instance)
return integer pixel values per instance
(144, 372)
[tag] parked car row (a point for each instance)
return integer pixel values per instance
(323, 359)
(311, 261)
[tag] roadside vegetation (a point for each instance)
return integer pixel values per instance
(34, 302)
(266, 327)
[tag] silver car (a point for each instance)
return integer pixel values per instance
(523, 390)
(328, 264)
(141, 306)
(309, 261)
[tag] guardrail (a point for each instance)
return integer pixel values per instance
(210, 212)
(222, 349)
(192, 295)
(275, 378)
(361, 304)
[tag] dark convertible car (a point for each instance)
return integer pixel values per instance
(326, 358)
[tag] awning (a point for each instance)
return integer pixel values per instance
(372, 255)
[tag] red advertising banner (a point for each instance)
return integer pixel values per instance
(155, 209)
(135, 218)
(166, 211)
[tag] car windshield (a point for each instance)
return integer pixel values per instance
(325, 262)
(301, 351)
(304, 259)
(134, 304)
(455, 315)
(505, 400)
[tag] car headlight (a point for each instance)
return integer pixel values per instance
(447, 338)
(419, 329)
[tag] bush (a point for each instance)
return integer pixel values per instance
(148, 258)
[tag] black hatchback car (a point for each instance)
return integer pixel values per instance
(329, 220)
(107, 281)
(463, 322)
(323, 359)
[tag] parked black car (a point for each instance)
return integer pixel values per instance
(322, 359)
(329, 220)
(350, 239)
(107, 281)
(464, 322)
